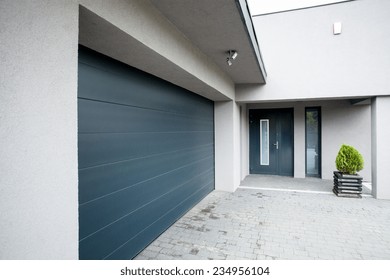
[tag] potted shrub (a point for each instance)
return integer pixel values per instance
(347, 182)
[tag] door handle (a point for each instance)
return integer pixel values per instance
(277, 145)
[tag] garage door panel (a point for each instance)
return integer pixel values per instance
(101, 212)
(109, 239)
(97, 149)
(102, 180)
(100, 117)
(146, 156)
(137, 243)
(136, 89)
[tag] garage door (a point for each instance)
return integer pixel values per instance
(146, 156)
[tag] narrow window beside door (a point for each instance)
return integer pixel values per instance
(313, 142)
(264, 142)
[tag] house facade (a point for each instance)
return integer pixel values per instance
(118, 116)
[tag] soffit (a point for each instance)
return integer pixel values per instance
(215, 27)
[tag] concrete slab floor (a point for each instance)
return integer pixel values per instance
(266, 224)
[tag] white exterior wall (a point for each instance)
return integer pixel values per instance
(244, 140)
(38, 112)
(38, 130)
(227, 146)
(380, 147)
(342, 123)
(346, 124)
(237, 145)
(304, 60)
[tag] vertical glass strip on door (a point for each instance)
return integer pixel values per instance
(313, 142)
(264, 142)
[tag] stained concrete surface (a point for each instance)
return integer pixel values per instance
(274, 224)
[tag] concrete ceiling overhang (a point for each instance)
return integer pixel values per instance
(184, 42)
(218, 26)
(102, 36)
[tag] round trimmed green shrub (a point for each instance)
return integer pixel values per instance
(349, 160)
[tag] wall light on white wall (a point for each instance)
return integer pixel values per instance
(337, 28)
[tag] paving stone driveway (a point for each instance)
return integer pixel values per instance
(267, 224)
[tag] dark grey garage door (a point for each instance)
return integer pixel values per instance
(146, 156)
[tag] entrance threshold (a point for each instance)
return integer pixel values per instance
(290, 184)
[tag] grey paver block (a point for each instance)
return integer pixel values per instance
(260, 224)
(166, 245)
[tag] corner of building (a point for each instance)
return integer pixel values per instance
(380, 118)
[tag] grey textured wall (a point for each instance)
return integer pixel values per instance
(38, 130)
(305, 60)
(343, 123)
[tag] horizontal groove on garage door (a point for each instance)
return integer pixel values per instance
(125, 206)
(155, 96)
(103, 180)
(111, 118)
(146, 156)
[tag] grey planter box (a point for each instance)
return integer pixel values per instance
(347, 185)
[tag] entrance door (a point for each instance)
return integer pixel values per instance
(271, 136)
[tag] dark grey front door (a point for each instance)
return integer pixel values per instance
(271, 136)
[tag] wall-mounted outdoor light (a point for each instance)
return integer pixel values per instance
(232, 55)
(337, 28)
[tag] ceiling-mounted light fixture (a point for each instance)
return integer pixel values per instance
(229, 61)
(232, 55)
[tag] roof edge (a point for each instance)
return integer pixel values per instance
(303, 8)
(246, 17)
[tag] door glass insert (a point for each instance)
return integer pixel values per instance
(264, 142)
(313, 142)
